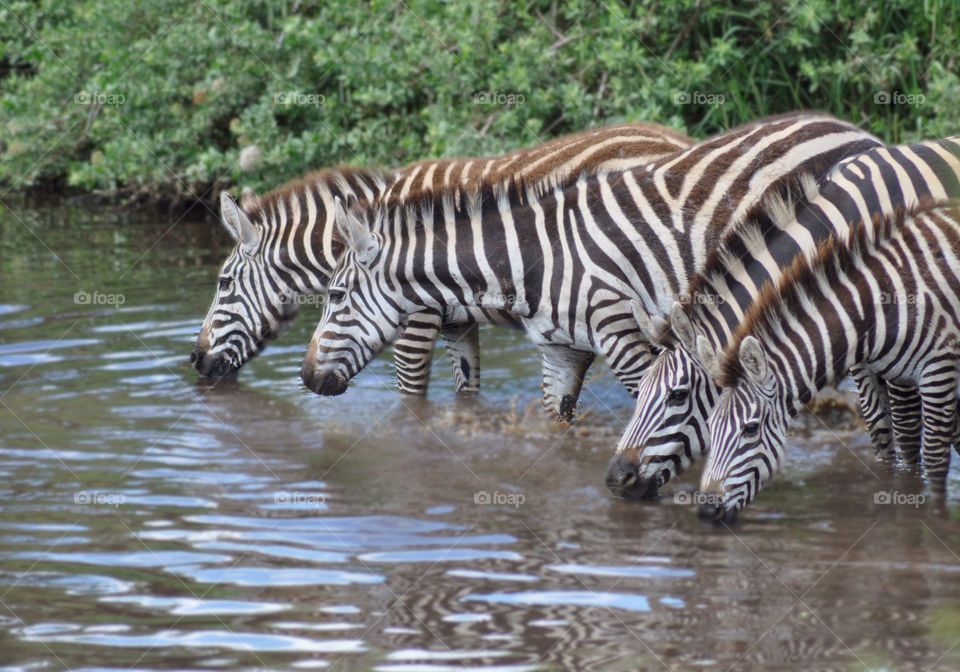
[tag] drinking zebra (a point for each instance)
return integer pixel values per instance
(569, 262)
(668, 430)
(287, 248)
(887, 299)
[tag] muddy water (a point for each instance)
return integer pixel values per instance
(149, 522)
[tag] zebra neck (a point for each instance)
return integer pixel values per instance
(477, 254)
(817, 342)
(879, 180)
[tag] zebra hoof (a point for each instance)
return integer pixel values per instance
(567, 406)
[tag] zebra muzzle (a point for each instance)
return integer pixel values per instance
(210, 366)
(624, 481)
(716, 513)
(325, 383)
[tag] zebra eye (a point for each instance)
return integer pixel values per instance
(336, 295)
(678, 395)
(226, 283)
(751, 428)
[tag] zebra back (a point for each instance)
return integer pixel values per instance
(543, 166)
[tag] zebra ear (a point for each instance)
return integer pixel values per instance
(753, 360)
(712, 361)
(683, 327)
(238, 224)
(355, 234)
(648, 324)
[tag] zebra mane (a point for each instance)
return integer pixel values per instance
(533, 171)
(831, 257)
(338, 179)
(744, 241)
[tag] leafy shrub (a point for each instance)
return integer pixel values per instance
(172, 98)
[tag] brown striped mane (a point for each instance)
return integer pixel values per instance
(540, 167)
(337, 175)
(774, 211)
(775, 301)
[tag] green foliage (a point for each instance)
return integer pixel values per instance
(161, 98)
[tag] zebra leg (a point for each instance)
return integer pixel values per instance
(906, 411)
(875, 409)
(413, 352)
(463, 346)
(563, 371)
(939, 398)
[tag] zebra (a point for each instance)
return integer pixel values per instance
(286, 245)
(668, 429)
(567, 262)
(886, 299)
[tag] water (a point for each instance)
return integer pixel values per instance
(148, 522)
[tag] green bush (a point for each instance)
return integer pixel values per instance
(161, 99)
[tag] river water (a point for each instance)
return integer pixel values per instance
(152, 522)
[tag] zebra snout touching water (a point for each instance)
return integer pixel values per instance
(668, 430)
(887, 300)
(664, 437)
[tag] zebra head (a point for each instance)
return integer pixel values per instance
(668, 430)
(748, 431)
(252, 304)
(361, 316)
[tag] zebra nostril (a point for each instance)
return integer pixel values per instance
(628, 479)
(193, 357)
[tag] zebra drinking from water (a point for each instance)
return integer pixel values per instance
(567, 262)
(887, 300)
(286, 245)
(668, 430)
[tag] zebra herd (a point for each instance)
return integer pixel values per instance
(724, 281)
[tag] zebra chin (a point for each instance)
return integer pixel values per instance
(717, 508)
(325, 383)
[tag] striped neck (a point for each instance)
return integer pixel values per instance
(297, 224)
(877, 181)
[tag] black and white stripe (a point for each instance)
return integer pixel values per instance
(668, 430)
(570, 263)
(887, 300)
(287, 246)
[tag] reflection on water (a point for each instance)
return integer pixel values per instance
(151, 522)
